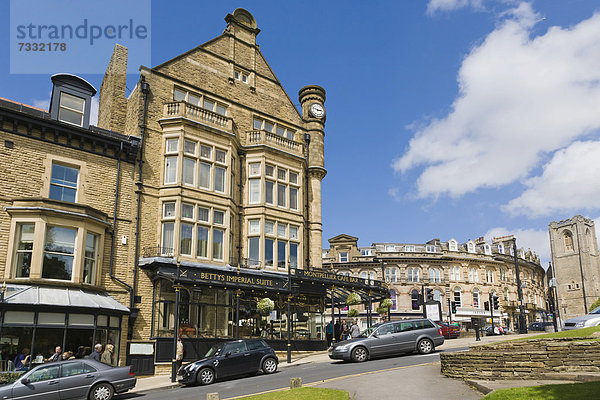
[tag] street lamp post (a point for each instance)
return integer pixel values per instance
(177, 288)
(289, 317)
(522, 320)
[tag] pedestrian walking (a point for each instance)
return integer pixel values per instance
(354, 329)
(344, 330)
(179, 353)
(107, 354)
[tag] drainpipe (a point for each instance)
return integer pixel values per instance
(241, 202)
(114, 226)
(307, 219)
(145, 88)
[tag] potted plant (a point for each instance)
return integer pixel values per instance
(353, 299)
(265, 306)
(353, 313)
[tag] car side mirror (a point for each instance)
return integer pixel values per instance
(25, 381)
(227, 354)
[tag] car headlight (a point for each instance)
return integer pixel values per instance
(343, 347)
(580, 324)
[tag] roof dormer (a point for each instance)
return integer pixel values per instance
(71, 100)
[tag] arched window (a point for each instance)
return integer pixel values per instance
(474, 275)
(435, 275)
(568, 237)
(506, 297)
(437, 295)
(458, 296)
(452, 245)
(487, 249)
(394, 299)
(489, 276)
(588, 239)
(414, 299)
(475, 297)
(500, 248)
(471, 247)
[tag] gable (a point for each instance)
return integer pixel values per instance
(342, 238)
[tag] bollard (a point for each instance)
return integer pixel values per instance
(295, 383)
(212, 396)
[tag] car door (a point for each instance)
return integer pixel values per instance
(76, 377)
(42, 385)
(234, 360)
(383, 341)
(407, 336)
(256, 350)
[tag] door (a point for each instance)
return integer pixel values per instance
(406, 336)
(75, 380)
(42, 385)
(235, 360)
(385, 342)
(257, 351)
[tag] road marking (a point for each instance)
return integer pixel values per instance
(332, 379)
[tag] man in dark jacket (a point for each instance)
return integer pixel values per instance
(96, 353)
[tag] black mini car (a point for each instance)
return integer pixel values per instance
(228, 359)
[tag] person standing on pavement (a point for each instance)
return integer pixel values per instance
(344, 330)
(107, 354)
(336, 331)
(354, 329)
(179, 353)
(96, 353)
(329, 332)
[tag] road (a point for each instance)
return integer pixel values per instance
(311, 374)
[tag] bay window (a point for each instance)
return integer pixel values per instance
(59, 252)
(90, 256)
(24, 250)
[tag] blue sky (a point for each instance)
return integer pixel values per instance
(445, 118)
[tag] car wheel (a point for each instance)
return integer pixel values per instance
(269, 366)
(359, 354)
(425, 346)
(206, 376)
(102, 391)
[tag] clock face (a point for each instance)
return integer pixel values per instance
(317, 110)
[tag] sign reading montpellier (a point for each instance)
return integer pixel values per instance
(328, 276)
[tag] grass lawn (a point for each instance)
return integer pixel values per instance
(303, 393)
(571, 391)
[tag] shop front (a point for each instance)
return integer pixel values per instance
(219, 303)
(34, 320)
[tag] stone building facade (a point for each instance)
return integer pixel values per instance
(575, 265)
(66, 203)
(465, 273)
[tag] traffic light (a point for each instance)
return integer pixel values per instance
(453, 307)
(486, 305)
(495, 302)
(429, 294)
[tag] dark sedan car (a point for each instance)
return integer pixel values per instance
(75, 379)
(225, 360)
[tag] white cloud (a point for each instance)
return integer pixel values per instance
(536, 240)
(520, 99)
(450, 5)
(568, 184)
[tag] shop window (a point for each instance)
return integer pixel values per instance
(63, 183)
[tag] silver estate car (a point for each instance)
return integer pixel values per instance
(390, 338)
(585, 321)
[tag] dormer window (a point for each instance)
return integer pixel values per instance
(71, 109)
(471, 247)
(344, 257)
(500, 249)
(430, 248)
(410, 248)
(487, 249)
(453, 246)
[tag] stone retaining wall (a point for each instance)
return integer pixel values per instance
(523, 359)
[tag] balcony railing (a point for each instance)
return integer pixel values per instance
(187, 110)
(158, 251)
(269, 138)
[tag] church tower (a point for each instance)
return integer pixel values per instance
(575, 264)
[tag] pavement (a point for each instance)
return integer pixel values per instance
(411, 380)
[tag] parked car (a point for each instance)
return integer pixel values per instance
(228, 359)
(591, 319)
(75, 379)
(390, 338)
(449, 332)
(539, 326)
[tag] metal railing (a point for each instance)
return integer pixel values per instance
(158, 251)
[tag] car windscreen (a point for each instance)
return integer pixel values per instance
(213, 350)
(596, 311)
(367, 332)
